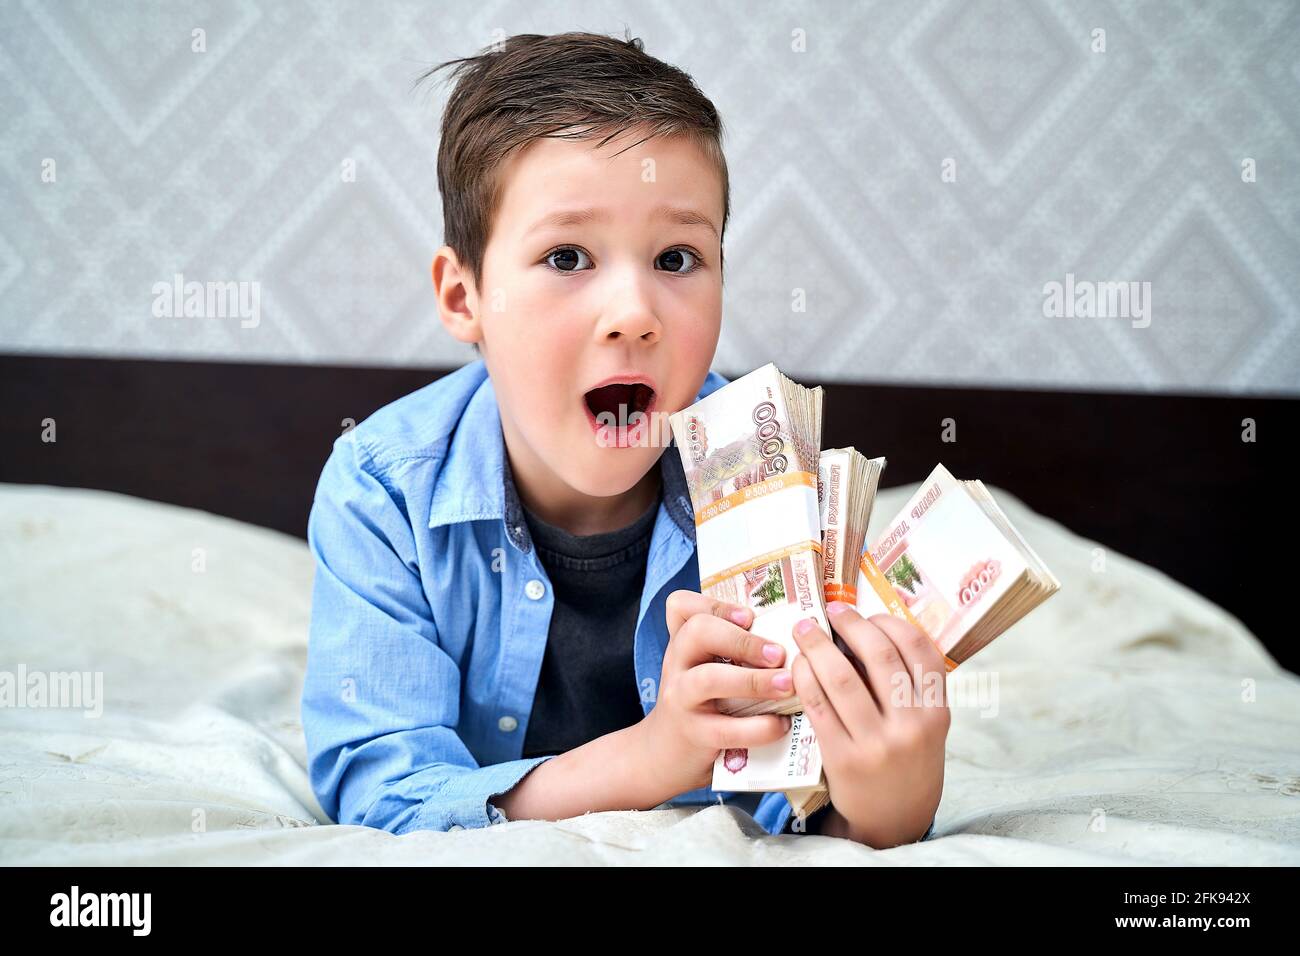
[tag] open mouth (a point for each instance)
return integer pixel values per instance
(619, 413)
(619, 400)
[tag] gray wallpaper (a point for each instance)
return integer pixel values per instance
(1065, 194)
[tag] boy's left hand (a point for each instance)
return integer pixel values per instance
(882, 740)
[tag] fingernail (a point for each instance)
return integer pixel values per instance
(804, 626)
(836, 607)
(772, 652)
(740, 616)
(781, 681)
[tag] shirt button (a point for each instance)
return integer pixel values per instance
(507, 723)
(534, 589)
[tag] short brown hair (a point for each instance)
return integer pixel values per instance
(532, 86)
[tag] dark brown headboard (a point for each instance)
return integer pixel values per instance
(1162, 478)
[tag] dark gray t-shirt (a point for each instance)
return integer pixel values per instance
(587, 687)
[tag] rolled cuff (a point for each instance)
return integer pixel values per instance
(463, 801)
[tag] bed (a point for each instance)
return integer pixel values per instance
(1126, 721)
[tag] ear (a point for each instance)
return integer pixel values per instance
(458, 305)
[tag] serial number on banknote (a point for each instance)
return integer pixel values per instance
(715, 509)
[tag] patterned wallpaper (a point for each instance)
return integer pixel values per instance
(1066, 194)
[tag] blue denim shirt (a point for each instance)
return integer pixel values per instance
(430, 612)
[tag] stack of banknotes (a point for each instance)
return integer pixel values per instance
(750, 453)
(781, 527)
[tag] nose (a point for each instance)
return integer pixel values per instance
(629, 312)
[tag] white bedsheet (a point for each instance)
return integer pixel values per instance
(1136, 722)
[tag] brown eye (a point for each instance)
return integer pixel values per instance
(566, 259)
(678, 260)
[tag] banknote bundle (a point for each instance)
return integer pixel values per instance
(846, 491)
(951, 564)
(750, 454)
(846, 483)
(846, 488)
(781, 527)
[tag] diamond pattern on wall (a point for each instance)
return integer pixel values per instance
(999, 63)
(1219, 308)
(1116, 166)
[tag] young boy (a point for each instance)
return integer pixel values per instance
(506, 618)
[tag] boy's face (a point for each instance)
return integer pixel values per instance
(631, 292)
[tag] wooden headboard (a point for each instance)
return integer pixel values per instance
(1165, 479)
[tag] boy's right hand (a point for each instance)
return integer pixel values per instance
(684, 730)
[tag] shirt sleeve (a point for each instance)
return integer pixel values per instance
(381, 697)
(774, 813)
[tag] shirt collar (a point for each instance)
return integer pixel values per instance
(676, 499)
(472, 484)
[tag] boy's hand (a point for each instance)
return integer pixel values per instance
(882, 740)
(684, 731)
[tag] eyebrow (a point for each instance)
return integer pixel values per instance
(680, 215)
